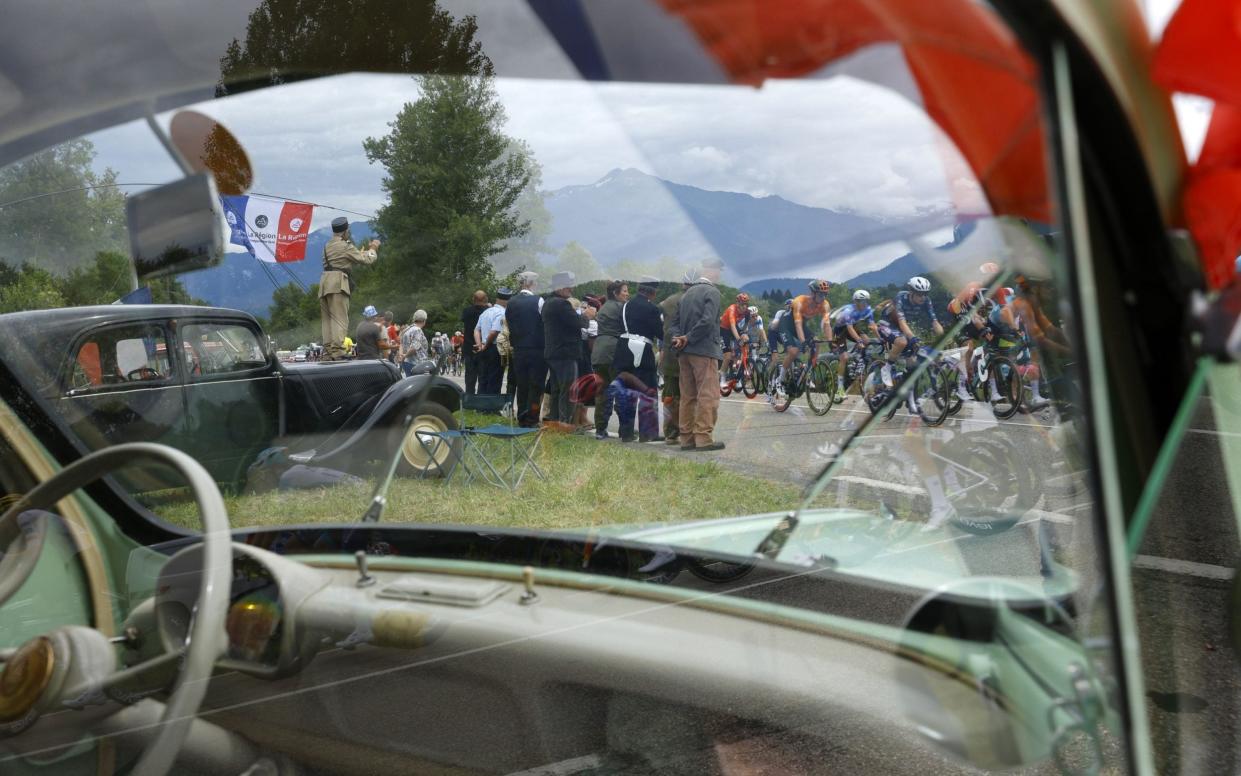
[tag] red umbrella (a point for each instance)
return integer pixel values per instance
(1200, 53)
(975, 80)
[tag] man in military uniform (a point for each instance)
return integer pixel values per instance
(336, 285)
(668, 365)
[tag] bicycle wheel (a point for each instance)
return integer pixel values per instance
(929, 391)
(1008, 385)
(875, 393)
(718, 571)
(749, 381)
(820, 389)
(951, 376)
(760, 376)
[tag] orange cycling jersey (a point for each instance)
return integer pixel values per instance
(735, 315)
(805, 308)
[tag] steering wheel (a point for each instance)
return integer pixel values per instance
(207, 638)
(143, 372)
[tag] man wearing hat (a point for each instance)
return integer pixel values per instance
(696, 336)
(336, 284)
(490, 323)
(529, 368)
(642, 326)
(668, 364)
(372, 335)
(562, 346)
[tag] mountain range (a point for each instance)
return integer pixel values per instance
(628, 214)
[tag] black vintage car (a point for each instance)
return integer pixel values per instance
(204, 380)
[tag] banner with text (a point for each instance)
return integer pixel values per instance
(271, 230)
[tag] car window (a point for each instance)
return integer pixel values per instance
(219, 348)
(120, 356)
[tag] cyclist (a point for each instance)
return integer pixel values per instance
(794, 331)
(911, 307)
(847, 323)
(734, 330)
(1010, 336)
(758, 332)
(973, 307)
(774, 337)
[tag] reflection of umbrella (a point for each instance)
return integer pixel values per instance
(974, 79)
(1200, 53)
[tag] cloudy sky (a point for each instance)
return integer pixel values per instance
(851, 138)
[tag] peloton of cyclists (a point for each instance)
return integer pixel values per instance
(794, 332)
(847, 335)
(973, 307)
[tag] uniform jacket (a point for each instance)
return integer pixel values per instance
(562, 330)
(339, 258)
(639, 316)
(525, 323)
(668, 356)
(609, 320)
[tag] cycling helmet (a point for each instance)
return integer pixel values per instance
(919, 284)
(819, 286)
(457, 334)
(743, 298)
(990, 268)
(753, 310)
(861, 295)
(788, 302)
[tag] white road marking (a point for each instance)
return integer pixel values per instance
(1186, 568)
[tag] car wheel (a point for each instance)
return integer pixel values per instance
(417, 457)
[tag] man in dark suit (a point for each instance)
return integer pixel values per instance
(562, 346)
(642, 326)
(469, 317)
(524, 315)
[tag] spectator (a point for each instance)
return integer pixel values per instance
(414, 346)
(696, 336)
(394, 335)
(668, 362)
(562, 337)
(371, 335)
(524, 315)
(469, 317)
(609, 321)
(642, 325)
(490, 371)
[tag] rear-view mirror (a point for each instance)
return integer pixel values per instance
(176, 228)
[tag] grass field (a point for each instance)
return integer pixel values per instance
(589, 483)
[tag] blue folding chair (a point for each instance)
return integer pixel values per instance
(479, 445)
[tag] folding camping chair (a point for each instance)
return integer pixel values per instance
(480, 445)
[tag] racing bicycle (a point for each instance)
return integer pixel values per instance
(814, 378)
(741, 374)
(928, 396)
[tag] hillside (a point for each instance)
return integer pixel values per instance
(628, 214)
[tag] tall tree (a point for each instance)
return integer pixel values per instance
(56, 211)
(452, 180)
(530, 250)
(288, 40)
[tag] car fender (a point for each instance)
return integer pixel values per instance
(387, 412)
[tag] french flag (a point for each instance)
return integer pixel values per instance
(272, 230)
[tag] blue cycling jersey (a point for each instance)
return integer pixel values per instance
(914, 314)
(851, 315)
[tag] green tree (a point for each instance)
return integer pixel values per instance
(56, 211)
(33, 289)
(530, 250)
(576, 259)
(288, 40)
(453, 178)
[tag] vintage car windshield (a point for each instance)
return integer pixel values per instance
(844, 175)
(796, 301)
